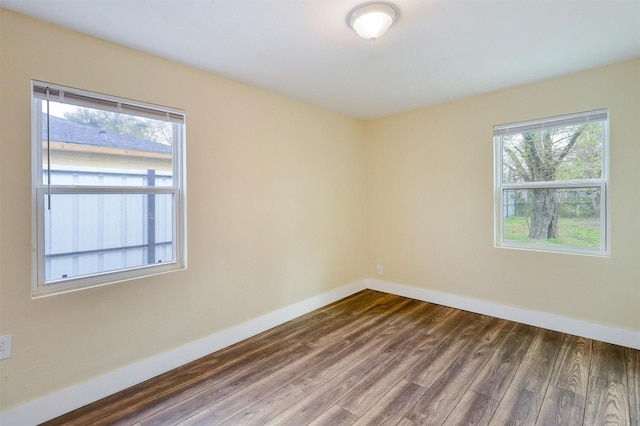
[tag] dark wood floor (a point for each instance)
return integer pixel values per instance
(376, 358)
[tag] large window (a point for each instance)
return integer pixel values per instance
(551, 184)
(108, 189)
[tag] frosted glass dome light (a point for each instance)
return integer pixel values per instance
(372, 20)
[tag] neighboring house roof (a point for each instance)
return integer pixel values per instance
(67, 131)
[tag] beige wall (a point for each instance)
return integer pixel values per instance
(431, 201)
(287, 201)
(276, 197)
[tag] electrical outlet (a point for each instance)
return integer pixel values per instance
(379, 270)
(5, 346)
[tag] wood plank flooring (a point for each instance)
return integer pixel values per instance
(375, 358)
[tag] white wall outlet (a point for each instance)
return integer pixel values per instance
(5, 346)
(379, 269)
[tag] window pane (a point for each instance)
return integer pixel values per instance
(562, 217)
(94, 147)
(93, 233)
(571, 152)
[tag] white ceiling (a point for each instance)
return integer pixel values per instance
(437, 51)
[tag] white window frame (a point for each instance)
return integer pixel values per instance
(39, 286)
(603, 183)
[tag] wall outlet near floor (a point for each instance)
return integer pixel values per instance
(5, 346)
(379, 269)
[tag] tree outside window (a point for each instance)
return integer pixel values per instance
(551, 183)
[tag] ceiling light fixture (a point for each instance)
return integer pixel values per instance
(372, 20)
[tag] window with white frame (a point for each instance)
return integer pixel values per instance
(108, 189)
(551, 183)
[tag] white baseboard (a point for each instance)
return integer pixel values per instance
(603, 333)
(74, 397)
(69, 399)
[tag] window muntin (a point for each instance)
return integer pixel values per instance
(551, 184)
(108, 189)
